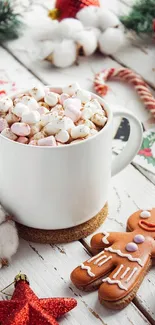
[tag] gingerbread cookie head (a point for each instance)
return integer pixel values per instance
(144, 221)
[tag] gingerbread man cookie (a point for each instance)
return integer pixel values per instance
(122, 262)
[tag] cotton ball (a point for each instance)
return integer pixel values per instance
(68, 27)
(111, 40)
(107, 19)
(64, 54)
(89, 16)
(87, 42)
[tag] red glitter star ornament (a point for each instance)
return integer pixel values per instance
(69, 8)
(25, 308)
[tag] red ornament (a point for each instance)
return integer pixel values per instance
(69, 8)
(25, 308)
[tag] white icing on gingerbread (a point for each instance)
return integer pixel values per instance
(125, 272)
(106, 260)
(132, 274)
(99, 259)
(94, 257)
(104, 239)
(118, 271)
(130, 258)
(145, 214)
(88, 269)
(110, 281)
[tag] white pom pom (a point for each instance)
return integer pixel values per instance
(107, 19)
(89, 16)
(87, 42)
(111, 40)
(64, 54)
(68, 27)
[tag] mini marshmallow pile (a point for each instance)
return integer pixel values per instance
(41, 117)
(95, 28)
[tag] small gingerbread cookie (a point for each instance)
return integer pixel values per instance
(122, 262)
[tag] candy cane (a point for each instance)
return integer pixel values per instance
(129, 76)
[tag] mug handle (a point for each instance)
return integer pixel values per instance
(133, 144)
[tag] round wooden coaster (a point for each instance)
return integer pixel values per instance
(63, 235)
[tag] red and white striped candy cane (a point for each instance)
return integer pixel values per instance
(129, 76)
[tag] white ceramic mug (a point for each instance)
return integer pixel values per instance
(61, 187)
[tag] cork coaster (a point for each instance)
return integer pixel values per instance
(63, 235)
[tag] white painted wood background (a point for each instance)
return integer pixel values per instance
(49, 267)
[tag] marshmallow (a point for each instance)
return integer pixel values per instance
(59, 109)
(20, 109)
(51, 129)
(29, 101)
(62, 136)
(6, 104)
(94, 106)
(20, 129)
(71, 89)
(39, 135)
(23, 140)
(92, 132)
(49, 141)
(37, 92)
(42, 110)
(3, 124)
(9, 134)
(76, 102)
(35, 128)
(99, 119)
(46, 118)
(87, 113)
(88, 123)
(12, 118)
(72, 112)
(51, 98)
(80, 131)
(63, 97)
(31, 117)
(83, 95)
(33, 142)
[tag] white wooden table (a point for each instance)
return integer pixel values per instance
(48, 267)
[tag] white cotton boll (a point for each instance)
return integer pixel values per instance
(71, 89)
(37, 92)
(20, 109)
(83, 95)
(111, 40)
(31, 117)
(64, 54)
(87, 42)
(107, 19)
(89, 16)
(68, 27)
(8, 239)
(46, 50)
(96, 31)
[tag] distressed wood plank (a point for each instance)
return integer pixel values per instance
(48, 269)
(129, 192)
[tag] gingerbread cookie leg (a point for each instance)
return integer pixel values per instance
(88, 276)
(117, 284)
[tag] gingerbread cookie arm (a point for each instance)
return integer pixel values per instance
(105, 239)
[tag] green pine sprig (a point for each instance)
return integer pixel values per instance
(9, 21)
(141, 17)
